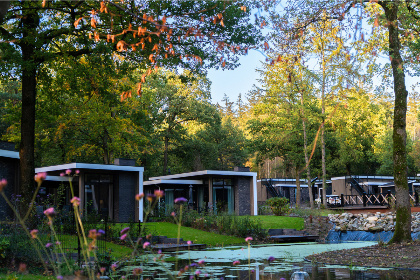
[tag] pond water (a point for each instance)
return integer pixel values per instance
(289, 263)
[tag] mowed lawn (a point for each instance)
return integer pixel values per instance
(277, 222)
(195, 235)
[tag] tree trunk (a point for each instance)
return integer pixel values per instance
(27, 142)
(403, 206)
(298, 198)
(305, 147)
(324, 169)
(165, 156)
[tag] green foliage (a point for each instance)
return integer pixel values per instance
(197, 236)
(278, 222)
(4, 248)
(279, 205)
(222, 223)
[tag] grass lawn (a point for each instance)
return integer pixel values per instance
(196, 236)
(277, 222)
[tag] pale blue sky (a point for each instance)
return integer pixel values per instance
(239, 80)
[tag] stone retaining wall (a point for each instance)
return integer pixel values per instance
(370, 222)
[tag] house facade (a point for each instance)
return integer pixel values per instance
(214, 190)
(105, 189)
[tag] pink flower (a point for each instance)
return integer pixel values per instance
(48, 245)
(189, 242)
(68, 171)
(114, 266)
(145, 244)
(57, 243)
(62, 174)
(3, 183)
(124, 236)
(102, 269)
(124, 230)
(139, 196)
(40, 177)
(93, 234)
(159, 193)
(34, 233)
(137, 271)
(201, 263)
(75, 201)
(249, 239)
(173, 214)
(197, 272)
(236, 262)
(50, 213)
(77, 171)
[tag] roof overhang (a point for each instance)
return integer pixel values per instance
(88, 166)
(9, 154)
(203, 173)
(173, 182)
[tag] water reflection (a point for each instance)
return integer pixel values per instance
(289, 263)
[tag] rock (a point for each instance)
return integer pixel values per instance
(373, 218)
(374, 229)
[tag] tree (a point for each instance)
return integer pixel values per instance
(186, 33)
(395, 16)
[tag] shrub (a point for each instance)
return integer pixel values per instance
(279, 205)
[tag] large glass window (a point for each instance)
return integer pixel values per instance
(223, 196)
(99, 194)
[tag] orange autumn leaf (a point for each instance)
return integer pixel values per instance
(376, 23)
(143, 78)
(139, 90)
(221, 23)
(44, 2)
(121, 46)
(103, 7)
(76, 23)
(93, 22)
(224, 64)
(243, 8)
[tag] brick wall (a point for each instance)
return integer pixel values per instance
(243, 195)
(127, 186)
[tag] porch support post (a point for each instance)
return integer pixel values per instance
(211, 193)
(81, 191)
(254, 192)
(141, 200)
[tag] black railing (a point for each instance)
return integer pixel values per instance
(355, 184)
(273, 192)
(382, 199)
(66, 232)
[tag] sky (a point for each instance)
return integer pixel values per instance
(239, 80)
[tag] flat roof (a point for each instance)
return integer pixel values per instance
(204, 172)
(289, 186)
(9, 154)
(173, 182)
(92, 166)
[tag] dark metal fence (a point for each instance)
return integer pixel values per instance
(67, 230)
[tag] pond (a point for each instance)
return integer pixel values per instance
(252, 263)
